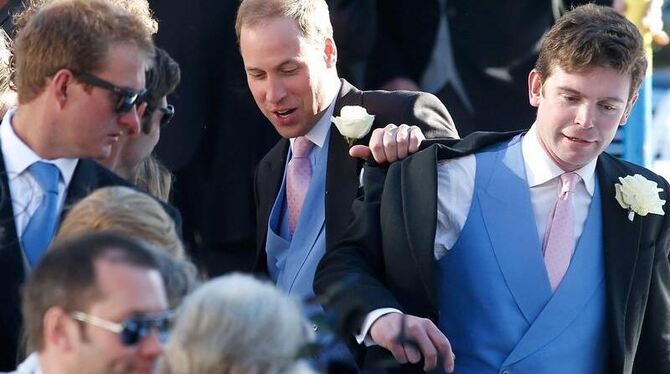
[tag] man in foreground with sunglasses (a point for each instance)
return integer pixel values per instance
(80, 73)
(109, 316)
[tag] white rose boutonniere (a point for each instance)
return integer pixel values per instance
(354, 123)
(638, 194)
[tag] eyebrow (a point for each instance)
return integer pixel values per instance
(572, 91)
(283, 64)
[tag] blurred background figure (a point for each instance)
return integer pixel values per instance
(474, 55)
(132, 156)
(236, 324)
(7, 94)
(131, 213)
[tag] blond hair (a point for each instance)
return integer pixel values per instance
(311, 16)
(236, 324)
(125, 211)
(153, 177)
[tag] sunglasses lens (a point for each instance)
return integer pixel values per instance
(126, 103)
(132, 332)
(168, 113)
(136, 329)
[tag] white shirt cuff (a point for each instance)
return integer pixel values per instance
(363, 337)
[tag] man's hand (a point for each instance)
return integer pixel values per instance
(432, 343)
(390, 144)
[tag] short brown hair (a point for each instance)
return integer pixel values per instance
(162, 79)
(76, 35)
(138, 8)
(54, 284)
(592, 35)
(125, 211)
(311, 16)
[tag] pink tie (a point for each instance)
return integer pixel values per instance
(298, 176)
(559, 239)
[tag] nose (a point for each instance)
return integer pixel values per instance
(131, 121)
(275, 91)
(584, 115)
(151, 345)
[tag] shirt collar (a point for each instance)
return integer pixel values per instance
(18, 156)
(543, 169)
(319, 132)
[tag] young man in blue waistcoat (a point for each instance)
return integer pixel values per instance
(527, 252)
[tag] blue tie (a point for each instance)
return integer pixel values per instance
(42, 224)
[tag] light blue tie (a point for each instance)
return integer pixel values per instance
(42, 224)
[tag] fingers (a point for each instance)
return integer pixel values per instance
(390, 142)
(393, 143)
(360, 151)
(443, 347)
(421, 339)
(377, 145)
(402, 141)
(415, 139)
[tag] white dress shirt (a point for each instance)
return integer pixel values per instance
(456, 181)
(25, 192)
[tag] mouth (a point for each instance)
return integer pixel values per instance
(578, 140)
(114, 137)
(284, 112)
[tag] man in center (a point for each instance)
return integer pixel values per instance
(305, 185)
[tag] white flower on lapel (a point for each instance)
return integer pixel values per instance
(639, 195)
(354, 122)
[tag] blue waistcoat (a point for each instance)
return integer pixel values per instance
(496, 304)
(292, 261)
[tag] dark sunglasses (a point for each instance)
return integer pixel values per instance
(168, 113)
(133, 329)
(127, 98)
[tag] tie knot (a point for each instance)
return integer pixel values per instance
(568, 182)
(301, 147)
(46, 175)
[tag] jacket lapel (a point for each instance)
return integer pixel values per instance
(11, 263)
(269, 175)
(342, 175)
(621, 242)
(419, 207)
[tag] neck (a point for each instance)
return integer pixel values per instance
(32, 126)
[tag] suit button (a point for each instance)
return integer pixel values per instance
(505, 371)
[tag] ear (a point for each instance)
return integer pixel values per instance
(629, 107)
(534, 88)
(330, 52)
(59, 329)
(60, 85)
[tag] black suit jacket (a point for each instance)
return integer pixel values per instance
(342, 182)
(88, 176)
(390, 244)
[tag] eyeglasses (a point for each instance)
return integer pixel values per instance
(132, 330)
(168, 113)
(127, 98)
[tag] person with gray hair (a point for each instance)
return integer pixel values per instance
(236, 324)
